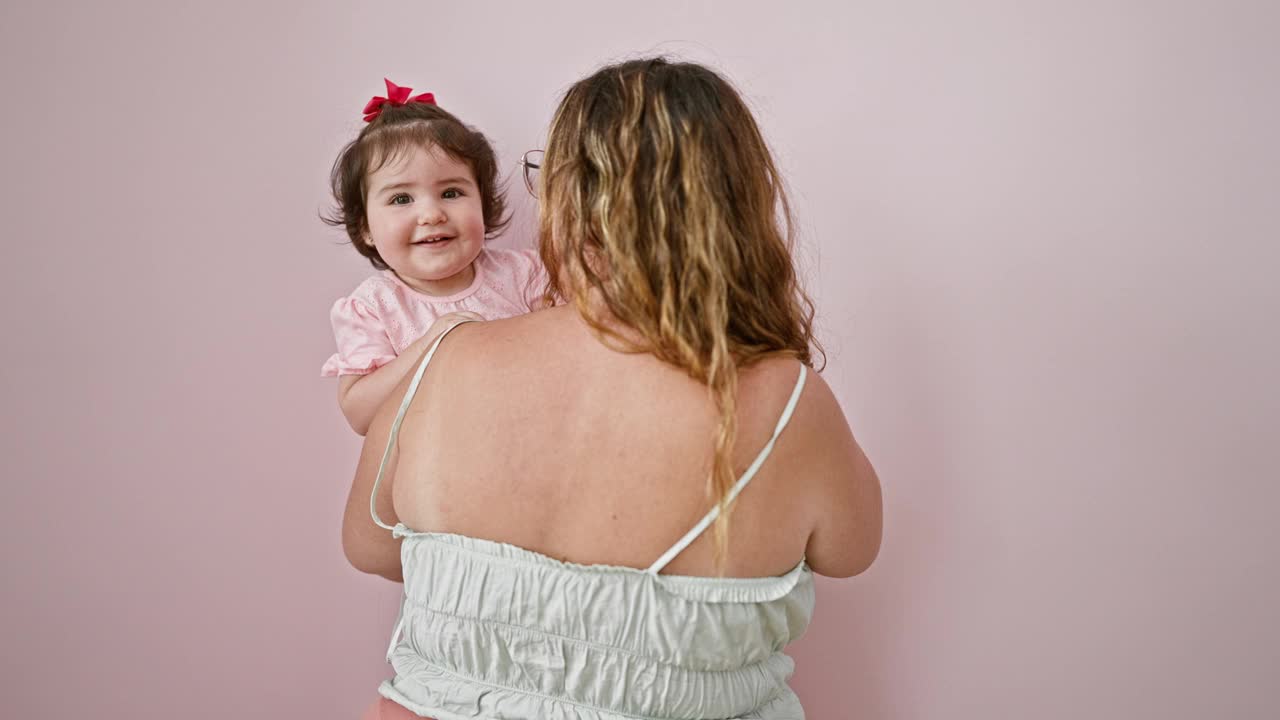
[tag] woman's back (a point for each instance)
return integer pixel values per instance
(514, 603)
(532, 432)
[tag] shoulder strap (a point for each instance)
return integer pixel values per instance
(395, 426)
(710, 517)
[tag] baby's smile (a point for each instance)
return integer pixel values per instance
(433, 239)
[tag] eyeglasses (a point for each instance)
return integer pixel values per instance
(532, 162)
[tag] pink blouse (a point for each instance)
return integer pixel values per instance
(374, 324)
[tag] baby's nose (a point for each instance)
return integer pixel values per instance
(431, 215)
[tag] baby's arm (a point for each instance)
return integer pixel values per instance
(360, 396)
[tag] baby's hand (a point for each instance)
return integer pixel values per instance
(444, 322)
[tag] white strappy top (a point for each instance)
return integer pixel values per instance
(491, 630)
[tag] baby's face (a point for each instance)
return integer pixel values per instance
(426, 219)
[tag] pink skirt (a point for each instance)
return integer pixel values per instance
(384, 709)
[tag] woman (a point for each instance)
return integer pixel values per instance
(552, 475)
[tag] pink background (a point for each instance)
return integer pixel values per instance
(1043, 242)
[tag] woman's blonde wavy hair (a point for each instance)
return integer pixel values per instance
(661, 202)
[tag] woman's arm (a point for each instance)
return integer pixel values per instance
(368, 547)
(847, 514)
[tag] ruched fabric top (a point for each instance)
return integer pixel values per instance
(491, 630)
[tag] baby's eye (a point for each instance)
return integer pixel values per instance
(451, 193)
(400, 199)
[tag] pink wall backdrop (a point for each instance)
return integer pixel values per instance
(1043, 238)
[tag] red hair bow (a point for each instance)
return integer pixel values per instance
(396, 96)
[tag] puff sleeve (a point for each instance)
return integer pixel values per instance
(363, 345)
